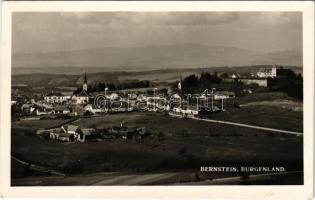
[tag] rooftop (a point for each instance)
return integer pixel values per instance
(266, 70)
(88, 131)
(57, 130)
(72, 128)
(58, 94)
(83, 93)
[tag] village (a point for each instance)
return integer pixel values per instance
(155, 97)
(175, 102)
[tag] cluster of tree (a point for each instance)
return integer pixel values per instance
(287, 81)
(16, 111)
(193, 83)
(111, 86)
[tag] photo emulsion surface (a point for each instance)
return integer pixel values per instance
(156, 98)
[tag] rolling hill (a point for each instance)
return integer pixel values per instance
(147, 58)
(163, 75)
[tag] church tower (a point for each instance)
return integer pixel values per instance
(85, 87)
(179, 85)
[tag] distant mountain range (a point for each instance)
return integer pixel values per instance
(148, 58)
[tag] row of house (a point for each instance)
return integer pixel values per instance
(80, 98)
(38, 109)
(73, 133)
(59, 98)
(151, 103)
(81, 102)
(69, 133)
(259, 78)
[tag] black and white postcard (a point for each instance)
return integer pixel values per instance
(202, 99)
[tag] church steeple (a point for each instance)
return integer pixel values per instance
(180, 83)
(85, 87)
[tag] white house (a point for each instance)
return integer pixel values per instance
(113, 96)
(72, 133)
(81, 98)
(93, 110)
(190, 112)
(266, 73)
(56, 97)
(61, 110)
(71, 129)
(223, 95)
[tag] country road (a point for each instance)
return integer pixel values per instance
(243, 125)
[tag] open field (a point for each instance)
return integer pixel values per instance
(272, 110)
(265, 96)
(285, 104)
(267, 116)
(38, 124)
(188, 144)
(175, 158)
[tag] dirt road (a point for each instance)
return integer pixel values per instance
(243, 125)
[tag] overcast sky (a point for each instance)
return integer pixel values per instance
(55, 31)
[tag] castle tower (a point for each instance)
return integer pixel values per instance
(274, 71)
(85, 87)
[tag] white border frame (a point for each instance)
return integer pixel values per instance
(292, 192)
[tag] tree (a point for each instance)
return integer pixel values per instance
(287, 81)
(224, 75)
(190, 84)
